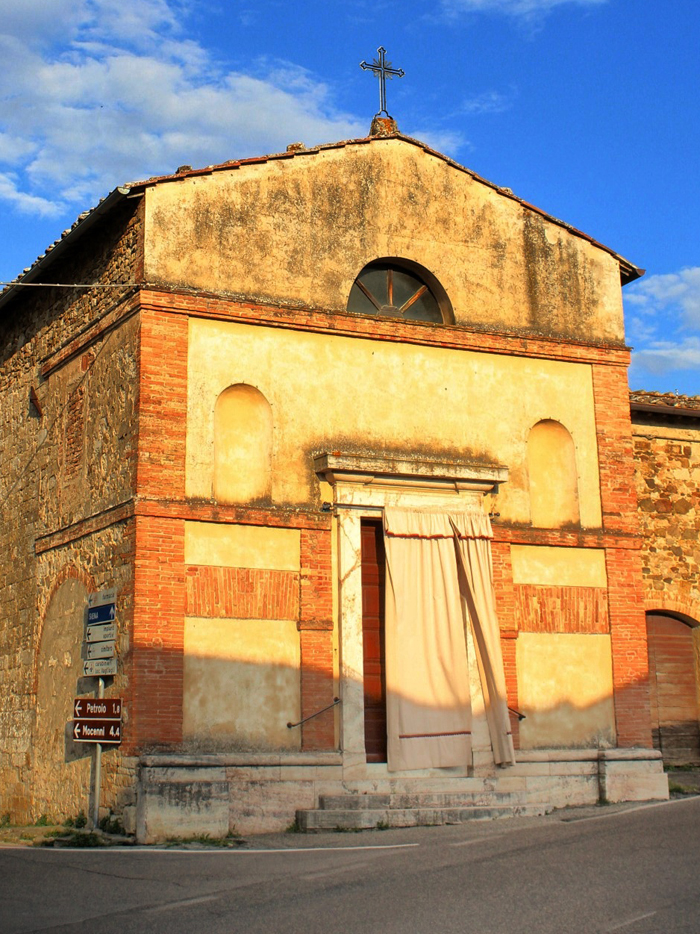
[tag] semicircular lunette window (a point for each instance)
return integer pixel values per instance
(394, 291)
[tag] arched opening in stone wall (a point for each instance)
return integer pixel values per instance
(242, 445)
(673, 643)
(61, 768)
(553, 477)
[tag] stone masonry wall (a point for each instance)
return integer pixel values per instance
(667, 461)
(68, 392)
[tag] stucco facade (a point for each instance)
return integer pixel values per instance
(215, 436)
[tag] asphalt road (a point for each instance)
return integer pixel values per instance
(635, 870)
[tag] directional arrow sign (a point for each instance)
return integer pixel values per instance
(101, 633)
(103, 597)
(99, 667)
(97, 731)
(103, 708)
(106, 613)
(99, 649)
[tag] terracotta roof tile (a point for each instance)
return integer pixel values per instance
(673, 399)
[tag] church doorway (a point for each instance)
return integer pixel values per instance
(373, 644)
(673, 688)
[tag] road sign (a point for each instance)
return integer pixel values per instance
(103, 597)
(99, 667)
(99, 649)
(101, 633)
(97, 731)
(106, 613)
(103, 708)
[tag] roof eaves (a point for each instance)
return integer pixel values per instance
(628, 272)
(83, 223)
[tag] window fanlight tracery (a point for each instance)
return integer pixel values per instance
(399, 289)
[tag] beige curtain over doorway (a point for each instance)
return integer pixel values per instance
(436, 584)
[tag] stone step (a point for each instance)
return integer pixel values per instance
(405, 800)
(372, 818)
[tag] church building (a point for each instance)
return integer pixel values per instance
(346, 430)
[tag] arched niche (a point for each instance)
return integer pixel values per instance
(60, 768)
(551, 466)
(399, 288)
(242, 445)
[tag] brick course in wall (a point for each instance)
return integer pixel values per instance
(242, 593)
(561, 609)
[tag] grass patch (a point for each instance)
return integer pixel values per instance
(294, 827)
(75, 839)
(5, 820)
(111, 825)
(675, 788)
(43, 821)
(205, 839)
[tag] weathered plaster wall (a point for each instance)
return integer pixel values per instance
(242, 675)
(298, 231)
(559, 567)
(241, 684)
(334, 393)
(565, 690)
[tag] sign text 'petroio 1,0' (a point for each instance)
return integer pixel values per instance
(102, 708)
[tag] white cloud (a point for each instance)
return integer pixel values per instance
(663, 324)
(661, 358)
(94, 93)
(524, 9)
(490, 102)
(672, 296)
(445, 141)
(23, 202)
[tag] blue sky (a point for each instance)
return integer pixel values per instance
(586, 108)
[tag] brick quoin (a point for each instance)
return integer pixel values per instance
(508, 648)
(158, 633)
(615, 449)
(625, 588)
(504, 595)
(317, 689)
(628, 635)
(503, 585)
(316, 638)
(162, 405)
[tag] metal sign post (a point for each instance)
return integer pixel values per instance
(99, 721)
(97, 766)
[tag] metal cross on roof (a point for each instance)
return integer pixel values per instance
(382, 69)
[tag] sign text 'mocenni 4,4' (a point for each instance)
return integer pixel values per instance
(97, 731)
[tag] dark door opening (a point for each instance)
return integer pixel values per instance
(673, 690)
(373, 582)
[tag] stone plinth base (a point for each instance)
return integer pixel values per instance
(188, 796)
